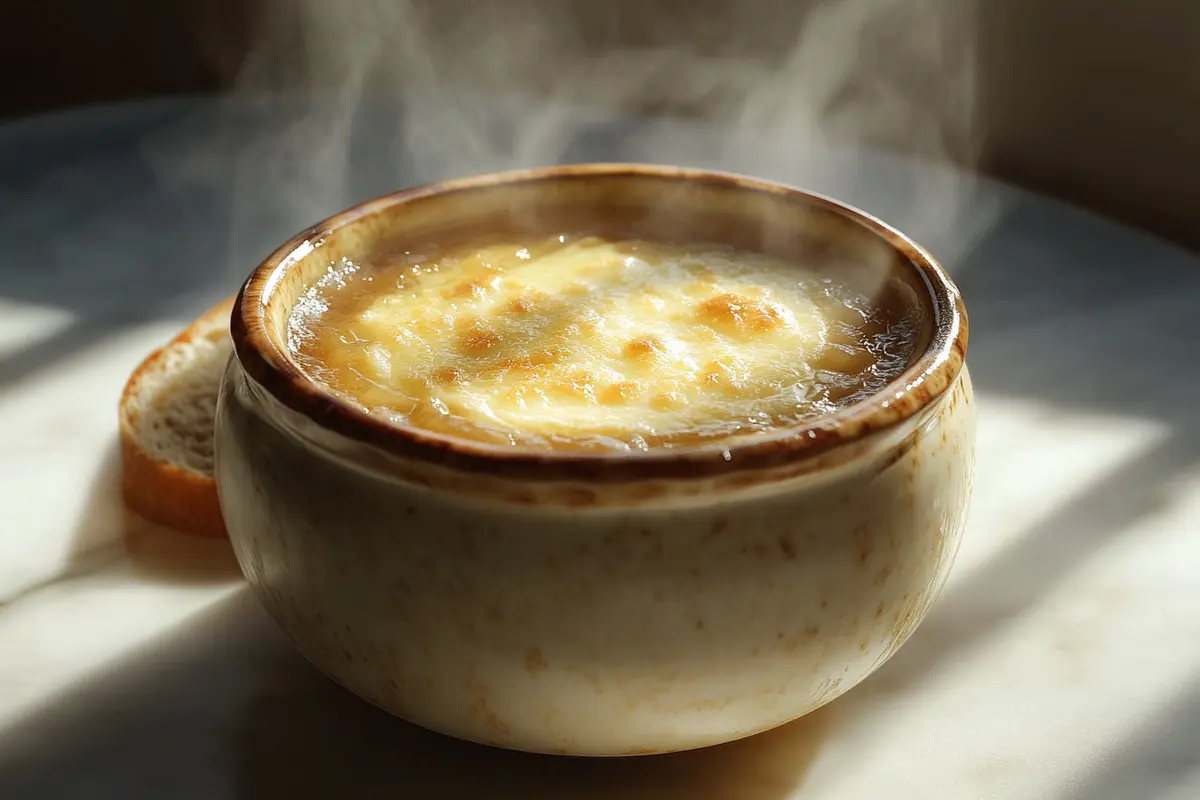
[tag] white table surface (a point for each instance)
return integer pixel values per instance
(1063, 660)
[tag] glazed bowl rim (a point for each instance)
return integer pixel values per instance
(925, 380)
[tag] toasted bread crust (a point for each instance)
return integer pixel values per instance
(160, 491)
(169, 496)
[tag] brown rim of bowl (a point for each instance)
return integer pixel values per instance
(929, 376)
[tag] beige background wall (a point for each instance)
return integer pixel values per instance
(1097, 101)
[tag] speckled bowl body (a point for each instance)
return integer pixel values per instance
(595, 605)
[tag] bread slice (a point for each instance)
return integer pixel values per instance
(166, 420)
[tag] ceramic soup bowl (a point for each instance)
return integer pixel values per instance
(583, 603)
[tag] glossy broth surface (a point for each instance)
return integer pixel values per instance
(583, 342)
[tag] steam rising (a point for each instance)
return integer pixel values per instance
(379, 94)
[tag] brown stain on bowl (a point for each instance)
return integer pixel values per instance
(787, 548)
(535, 661)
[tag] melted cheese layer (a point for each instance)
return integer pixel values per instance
(625, 344)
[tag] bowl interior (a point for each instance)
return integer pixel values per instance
(797, 227)
(659, 203)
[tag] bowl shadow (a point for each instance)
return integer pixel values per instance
(222, 706)
(373, 754)
(107, 530)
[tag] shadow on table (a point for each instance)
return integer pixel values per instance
(107, 533)
(90, 227)
(1161, 753)
(223, 707)
(1072, 312)
(107, 529)
(1011, 584)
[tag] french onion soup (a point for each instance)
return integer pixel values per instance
(581, 341)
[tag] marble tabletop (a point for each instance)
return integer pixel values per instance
(1063, 660)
